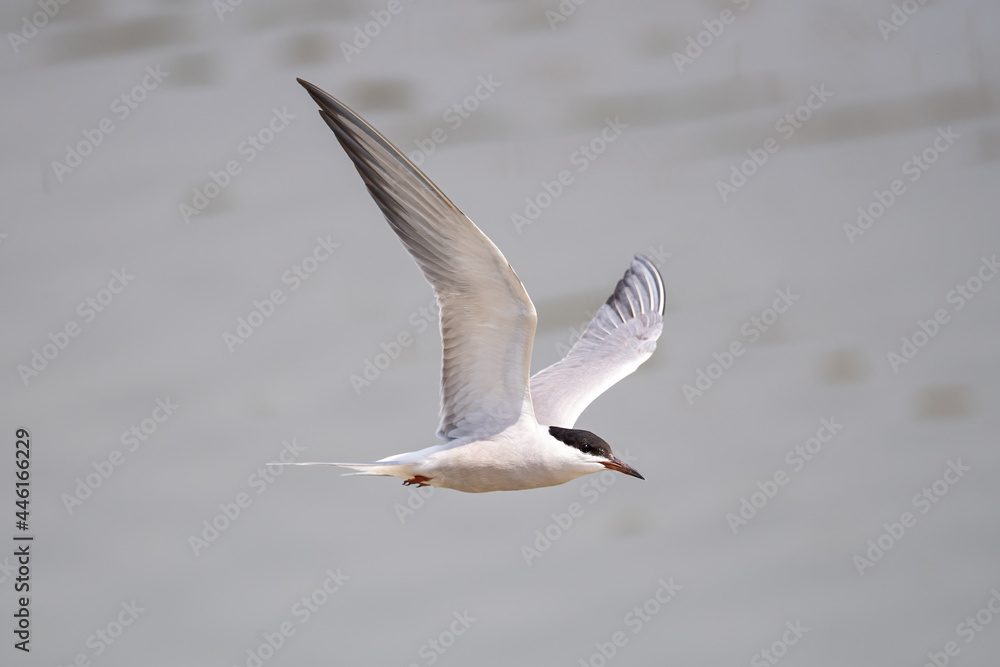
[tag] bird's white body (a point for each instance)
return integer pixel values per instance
(504, 430)
(522, 456)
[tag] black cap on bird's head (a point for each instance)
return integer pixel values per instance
(588, 443)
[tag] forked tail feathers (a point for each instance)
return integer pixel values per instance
(388, 468)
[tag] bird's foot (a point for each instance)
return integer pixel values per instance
(419, 480)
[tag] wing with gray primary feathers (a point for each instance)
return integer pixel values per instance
(487, 319)
(620, 337)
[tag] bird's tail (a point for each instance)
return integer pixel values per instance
(388, 468)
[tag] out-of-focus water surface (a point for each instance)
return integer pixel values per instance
(828, 496)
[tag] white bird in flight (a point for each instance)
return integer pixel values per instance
(502, 431)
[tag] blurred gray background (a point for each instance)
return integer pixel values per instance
(750, 135)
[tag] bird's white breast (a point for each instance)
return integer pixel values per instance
(523, 456)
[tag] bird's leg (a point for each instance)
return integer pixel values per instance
(419, 480)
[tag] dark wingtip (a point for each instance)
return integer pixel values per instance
(648, 263)
(654, 286)
(656, 290)
(310, 88)
(320, 96)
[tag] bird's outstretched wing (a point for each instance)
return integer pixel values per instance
(487, 319)
(620, 337)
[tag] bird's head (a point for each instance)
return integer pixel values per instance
(591, 449)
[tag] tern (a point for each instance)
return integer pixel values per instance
(502, 430)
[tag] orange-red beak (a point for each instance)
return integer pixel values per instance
(621, 466)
